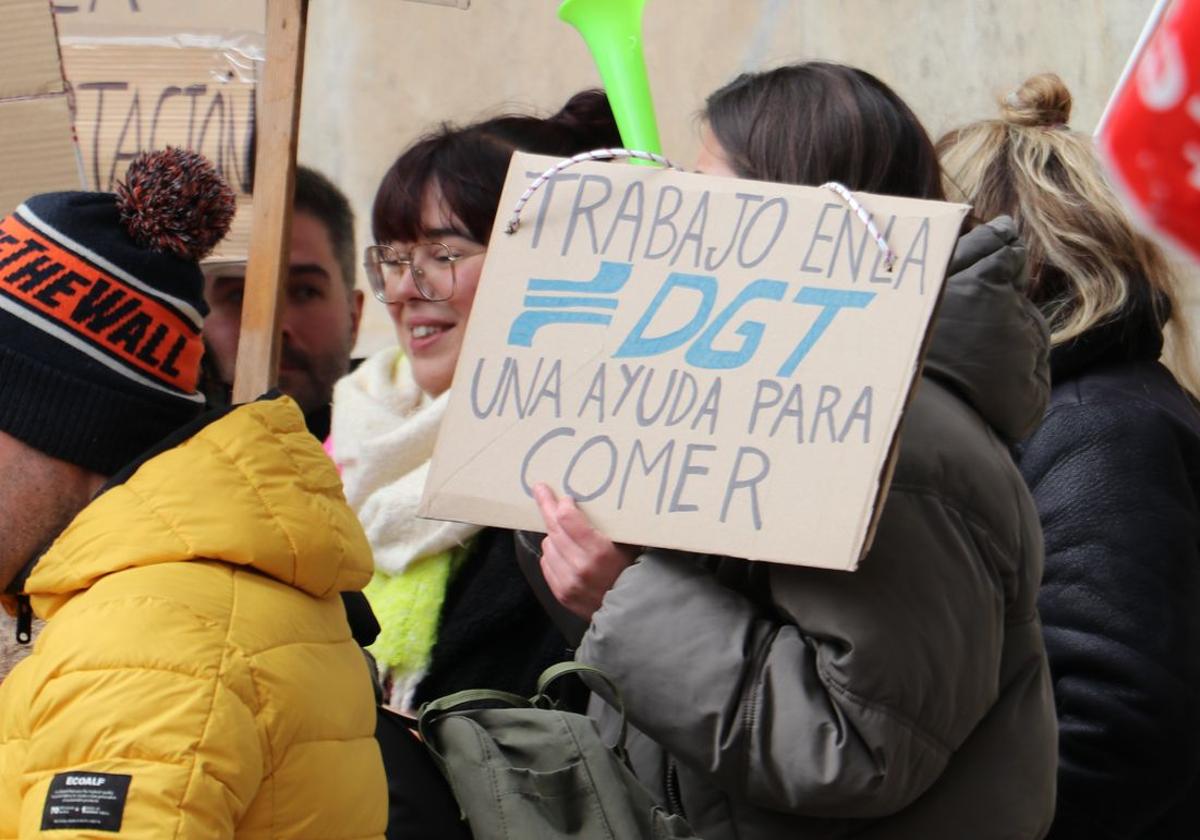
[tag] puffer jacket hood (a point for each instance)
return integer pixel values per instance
(275, 505)
(989, 341)
(197, 661)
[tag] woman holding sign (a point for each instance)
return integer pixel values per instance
(1115, 473)
(910, 698)
(454, 610)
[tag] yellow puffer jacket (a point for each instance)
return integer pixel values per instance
(197, 643)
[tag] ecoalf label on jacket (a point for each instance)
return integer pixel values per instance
(80, 800)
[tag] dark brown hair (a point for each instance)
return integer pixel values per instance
(320, 198)
(816, 122)
(468, 165)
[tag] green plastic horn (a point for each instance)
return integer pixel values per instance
(612, 30)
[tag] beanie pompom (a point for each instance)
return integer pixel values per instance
(173, 201)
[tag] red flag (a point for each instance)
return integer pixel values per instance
(1151, 137)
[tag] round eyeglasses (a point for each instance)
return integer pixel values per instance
(431, 265)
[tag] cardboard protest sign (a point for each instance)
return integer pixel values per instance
(153, 73)
(704, 363)
(37, 148)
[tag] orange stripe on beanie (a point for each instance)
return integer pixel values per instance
(129, 325)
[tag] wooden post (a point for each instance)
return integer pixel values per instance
(274, 184)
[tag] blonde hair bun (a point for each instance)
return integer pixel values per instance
(1042, 100)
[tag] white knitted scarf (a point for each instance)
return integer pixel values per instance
(384, 429)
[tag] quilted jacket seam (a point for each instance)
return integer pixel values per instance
(895, 715)
(217, 681)
(966, 515)
(273, 515)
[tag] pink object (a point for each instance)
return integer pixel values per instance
(327, 445)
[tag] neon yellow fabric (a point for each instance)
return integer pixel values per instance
(408, 607)
(197, 642)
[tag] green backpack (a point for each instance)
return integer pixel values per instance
(525, 770)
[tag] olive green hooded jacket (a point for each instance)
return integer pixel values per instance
(908, 699)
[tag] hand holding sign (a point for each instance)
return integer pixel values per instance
(580, 564)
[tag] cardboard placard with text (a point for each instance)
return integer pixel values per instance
(155, 73)
(707, 364)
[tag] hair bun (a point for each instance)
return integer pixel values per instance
(1042, 100)
(173, 201)
(588, 116)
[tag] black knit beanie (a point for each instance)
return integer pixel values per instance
(101, 305)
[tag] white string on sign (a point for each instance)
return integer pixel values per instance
(889, 256)
(514, 222)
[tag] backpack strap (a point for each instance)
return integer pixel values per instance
(435, 709)
(562, 669)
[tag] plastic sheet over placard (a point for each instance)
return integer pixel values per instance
(455, 4)
(159, 73)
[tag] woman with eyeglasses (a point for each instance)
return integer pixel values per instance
(454, 609)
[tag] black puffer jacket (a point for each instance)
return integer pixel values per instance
(1115, 474)
(493, 633)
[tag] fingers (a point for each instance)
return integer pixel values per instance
(574, 522)
(547, 504)
(563, 518)
(565, 584)
(579, 563)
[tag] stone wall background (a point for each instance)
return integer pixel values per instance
(378, 73)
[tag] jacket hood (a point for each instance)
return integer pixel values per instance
(252, 489)
(990, 344)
